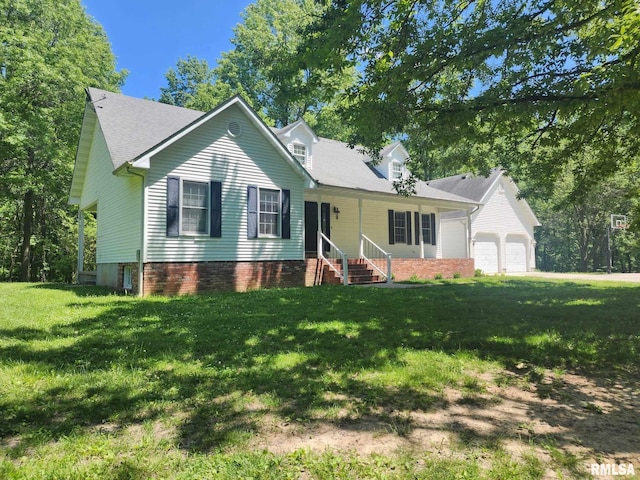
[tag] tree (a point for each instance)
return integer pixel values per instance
(574, 235)
(262, 65)
(51, 50)
(184, 81)
(525, 84)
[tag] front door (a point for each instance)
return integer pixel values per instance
(311, 225)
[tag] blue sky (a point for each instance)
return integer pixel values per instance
(149, 36)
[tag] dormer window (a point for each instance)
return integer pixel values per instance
(300, 153)
(396, 171)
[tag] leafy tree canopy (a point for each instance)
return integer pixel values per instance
(525, 84)
(50, 50)
(261, 68)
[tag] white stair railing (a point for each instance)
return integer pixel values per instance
(331, 256)
(369, 251)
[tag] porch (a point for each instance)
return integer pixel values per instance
(373, 238)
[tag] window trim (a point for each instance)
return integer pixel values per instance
(174, 205)
(392, 171)
(393, 229)
(428, 220)
(207, 184)
(253, 213)
(279, 213)
(297, 156)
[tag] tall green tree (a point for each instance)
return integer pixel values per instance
(50, 50)
(526, 84)
(261, 69)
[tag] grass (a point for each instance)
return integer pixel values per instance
(96, 385)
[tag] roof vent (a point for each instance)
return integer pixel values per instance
(234, 128)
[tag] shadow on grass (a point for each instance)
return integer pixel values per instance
(221, 362)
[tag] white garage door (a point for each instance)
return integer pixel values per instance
(485, 252)
(454, 239)
(516, 255)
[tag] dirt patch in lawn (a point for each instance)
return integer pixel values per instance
(567, 420)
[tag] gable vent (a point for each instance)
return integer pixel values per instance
(234, 128)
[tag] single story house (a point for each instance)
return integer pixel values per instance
(502, 226)
(189, 202)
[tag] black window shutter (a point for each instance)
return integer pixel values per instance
(215, 229)
(392, 228)
(416, 217)
(173, 206)
(433, 229)
(408, 224)
(252, 211)
(286, 213)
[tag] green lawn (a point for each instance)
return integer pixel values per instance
(95, 385)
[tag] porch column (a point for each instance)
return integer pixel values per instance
(80, 243)
(360, 227)
(419, 227)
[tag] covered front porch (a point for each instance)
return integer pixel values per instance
(361, 237)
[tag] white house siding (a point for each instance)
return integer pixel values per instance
(454, 238)
(210, 153)
(345, 231)
(503, 218)
(118, 203)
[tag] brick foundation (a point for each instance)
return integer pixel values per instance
(202, 277)
(428, 268)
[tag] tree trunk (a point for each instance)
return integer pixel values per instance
(27, 230)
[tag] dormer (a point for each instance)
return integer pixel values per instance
(392, 165)
(299, 139)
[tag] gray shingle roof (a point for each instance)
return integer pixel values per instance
(131, 126)
(467, 185)
(337, 165)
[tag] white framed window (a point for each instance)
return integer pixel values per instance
(269, 213)
(299, 151)
(194, 210)
(426, 228)
(397, 171)
(127, 281)
(400, 227)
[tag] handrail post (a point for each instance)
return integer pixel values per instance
(345, 269)
(319, 247)
(388, 268)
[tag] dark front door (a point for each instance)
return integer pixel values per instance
(311, 225)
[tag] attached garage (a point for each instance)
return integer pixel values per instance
(485, 253)
(516, 254)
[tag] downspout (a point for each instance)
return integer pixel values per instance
(469, 234)
(142, 234)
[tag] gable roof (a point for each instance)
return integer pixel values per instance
(136, 129)
(478, 188)
(286, 131)
(468, 185)
(131, 126)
